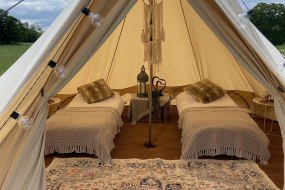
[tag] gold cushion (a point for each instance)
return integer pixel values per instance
(205, 91)
(95, 91)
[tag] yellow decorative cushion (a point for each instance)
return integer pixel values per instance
(95, 91)
(205, 91)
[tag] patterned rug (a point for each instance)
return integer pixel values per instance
(155, 174)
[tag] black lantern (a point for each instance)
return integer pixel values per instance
(142, 79)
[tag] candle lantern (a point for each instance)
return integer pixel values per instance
(142, 79)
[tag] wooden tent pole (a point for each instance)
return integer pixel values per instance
(149, 144)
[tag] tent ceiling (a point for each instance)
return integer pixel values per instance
(190, 52)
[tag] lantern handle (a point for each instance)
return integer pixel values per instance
(160, 81)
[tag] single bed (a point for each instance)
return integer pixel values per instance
(217, 128)
(85, 128)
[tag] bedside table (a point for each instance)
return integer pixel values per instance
(139, 107)
(53, 105)
(265, 105)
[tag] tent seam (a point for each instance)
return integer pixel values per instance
(189, 36)
(108, 75)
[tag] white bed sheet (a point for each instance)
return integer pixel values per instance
(115, 101)
(184, 100)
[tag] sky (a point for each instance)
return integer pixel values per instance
(40, 12)
(44, 12)
(253, 3)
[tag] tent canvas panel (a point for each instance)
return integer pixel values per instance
(190, 49)
(50, 87)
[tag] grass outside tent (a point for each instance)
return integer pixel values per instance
(282, 49)
(9, 55)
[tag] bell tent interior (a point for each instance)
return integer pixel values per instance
(203, 40)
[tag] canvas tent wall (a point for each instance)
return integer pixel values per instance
(30, 83)
(190, 49)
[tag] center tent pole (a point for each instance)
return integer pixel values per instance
(149, 144)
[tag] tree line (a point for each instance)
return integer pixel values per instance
(13, 30)
(270, 20)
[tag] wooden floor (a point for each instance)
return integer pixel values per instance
(166, 136)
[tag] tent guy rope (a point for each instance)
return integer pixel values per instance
(11, 8)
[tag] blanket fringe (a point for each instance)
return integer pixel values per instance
(80, 149)
(230, 151)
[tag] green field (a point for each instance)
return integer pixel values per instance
(282, 49)
(9, 54)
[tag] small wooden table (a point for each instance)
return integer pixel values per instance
(53, 106)
(265, 105)
(139, 107)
